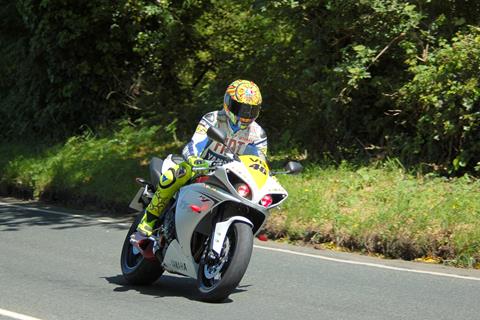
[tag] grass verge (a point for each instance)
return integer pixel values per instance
(86, 171)
(376, 210)
(383, 210)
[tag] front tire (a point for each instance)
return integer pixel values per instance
(135, 268)
(217, 285)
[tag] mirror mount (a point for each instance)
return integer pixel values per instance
(220, 136)
(217, 135)
(293, 167)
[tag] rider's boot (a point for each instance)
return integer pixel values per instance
(172, 180)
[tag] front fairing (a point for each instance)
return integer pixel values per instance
(197, 201)
(255, 172)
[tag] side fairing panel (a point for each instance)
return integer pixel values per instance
(176, 261)
(193, 204)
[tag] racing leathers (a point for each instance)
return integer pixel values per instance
(251, 140)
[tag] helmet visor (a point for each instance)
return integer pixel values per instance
(246, 111)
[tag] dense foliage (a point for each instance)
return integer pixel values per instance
(350, 78)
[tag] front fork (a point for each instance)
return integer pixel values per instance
(220, 232)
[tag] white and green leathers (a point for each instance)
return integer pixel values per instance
(251, 140)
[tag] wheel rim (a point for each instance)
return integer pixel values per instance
(212, 273)
(132, 256)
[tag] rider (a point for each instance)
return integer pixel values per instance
(241, 106)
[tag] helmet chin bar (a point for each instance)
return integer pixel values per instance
(237, 124)
(234, 120)
(244, 125)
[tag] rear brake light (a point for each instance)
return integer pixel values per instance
(243, 190)
(266, 201)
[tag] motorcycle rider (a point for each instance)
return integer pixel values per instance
(241, 107)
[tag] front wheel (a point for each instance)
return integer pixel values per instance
(135, 268)
(218, 278)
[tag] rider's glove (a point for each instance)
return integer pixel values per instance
(199, 164)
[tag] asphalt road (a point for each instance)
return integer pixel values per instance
(57, 265)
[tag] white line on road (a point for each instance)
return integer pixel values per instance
(42, 210)
(367, 264)
(60, 213)
(374, 265)
(15, 315)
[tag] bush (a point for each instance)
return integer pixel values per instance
(440, 106)
(342, 78)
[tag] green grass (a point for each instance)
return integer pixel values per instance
(85, 170)
(376, 209)
(384, 210)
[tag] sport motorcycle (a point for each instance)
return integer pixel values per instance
(207, 230)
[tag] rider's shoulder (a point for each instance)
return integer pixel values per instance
(257, 131)
(211, 118)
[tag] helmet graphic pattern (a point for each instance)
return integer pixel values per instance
(244, 92)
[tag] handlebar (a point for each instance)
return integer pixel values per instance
(204, 169)
(213, 165)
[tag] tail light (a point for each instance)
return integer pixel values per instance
(243, 190)
(266, 201)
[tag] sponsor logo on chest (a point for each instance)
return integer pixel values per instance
(237, 145)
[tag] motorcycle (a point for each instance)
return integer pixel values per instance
(207, 230)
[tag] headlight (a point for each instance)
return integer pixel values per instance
(266, 201)
(243, 190)
(239, 185)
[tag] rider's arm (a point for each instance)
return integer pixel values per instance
(258, 147)
(262, 147)
(200, 140)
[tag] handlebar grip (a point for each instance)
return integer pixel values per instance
(203, 169)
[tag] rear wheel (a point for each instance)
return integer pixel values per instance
(135, 268)
(217, 278)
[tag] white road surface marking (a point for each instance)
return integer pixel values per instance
(367, 264)
(14, 315)
(60, 213)
(316, 256)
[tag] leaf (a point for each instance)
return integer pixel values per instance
(359, 48)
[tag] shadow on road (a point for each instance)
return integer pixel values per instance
(166, 286)
(16, 218)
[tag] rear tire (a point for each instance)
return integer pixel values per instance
(239, 241)
(137, 270)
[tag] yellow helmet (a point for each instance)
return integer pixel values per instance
(242, 103)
